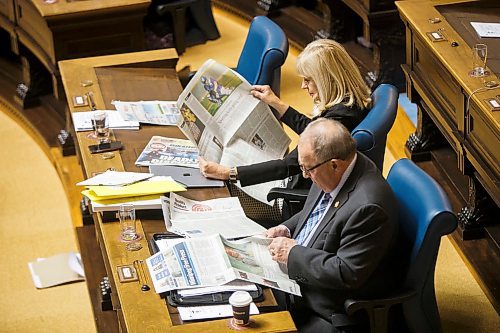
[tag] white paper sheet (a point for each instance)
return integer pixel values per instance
(485, 29)
(115, 178)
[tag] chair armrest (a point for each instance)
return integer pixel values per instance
(377, 309)
(297, 195)
(352, 305)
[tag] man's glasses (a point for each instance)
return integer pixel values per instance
(308, 171)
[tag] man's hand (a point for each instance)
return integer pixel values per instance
(280, 249)
(213, 170)
(278, 231)
(266, 95)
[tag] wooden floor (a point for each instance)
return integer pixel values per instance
(462, 304)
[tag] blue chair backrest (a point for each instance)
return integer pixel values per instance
(425, 214)
(263, 54)
(371, 133)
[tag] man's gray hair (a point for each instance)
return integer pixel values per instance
(329, 139)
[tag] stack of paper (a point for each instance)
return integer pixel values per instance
(83, 121)
(109, 190)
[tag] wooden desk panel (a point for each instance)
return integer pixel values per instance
(43, 34)
(139, 311)
(457, 130)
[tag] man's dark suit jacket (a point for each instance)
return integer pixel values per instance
(350, 251)
(349, 116)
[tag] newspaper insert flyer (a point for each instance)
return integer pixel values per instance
(228, 124)
(213, 260)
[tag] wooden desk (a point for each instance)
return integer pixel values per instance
(136, 76)
(376, 21)
(43, 34)
(457, 130)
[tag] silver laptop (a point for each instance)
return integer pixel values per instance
(189, 177)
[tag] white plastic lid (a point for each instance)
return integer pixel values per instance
(240, 298)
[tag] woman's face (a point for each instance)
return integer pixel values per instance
(311, 88)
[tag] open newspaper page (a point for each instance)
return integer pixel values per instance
(252, 262)
(192, 218)
(169, 151)
(150, 112)
(228, 124)
(213, 260)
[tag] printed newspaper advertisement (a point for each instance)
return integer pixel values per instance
(191, 218)
(228, 124)
(169, 151)
(213, 260)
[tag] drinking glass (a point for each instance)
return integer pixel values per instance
(126, 214)
(479, 56)
(100, 123)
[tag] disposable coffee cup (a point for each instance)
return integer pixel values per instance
(240, 301)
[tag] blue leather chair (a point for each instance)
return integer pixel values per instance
(425, 215)
(264, 52)
(370, 136)
(371, 133)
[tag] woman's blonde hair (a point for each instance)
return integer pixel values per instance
(335, 74)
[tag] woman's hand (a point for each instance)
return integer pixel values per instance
(266, 95)
(213, 170)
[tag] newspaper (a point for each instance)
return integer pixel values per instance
(191, 218)
(228, 124)
(151, 112)
(169, 151)
(213, 260)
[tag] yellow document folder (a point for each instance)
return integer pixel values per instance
(133, 190)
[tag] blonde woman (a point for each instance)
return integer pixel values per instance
(338, 91)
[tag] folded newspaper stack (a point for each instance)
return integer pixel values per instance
(213, 261)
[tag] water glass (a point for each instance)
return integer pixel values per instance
(100, 123)
(479, 57)
(126, 214)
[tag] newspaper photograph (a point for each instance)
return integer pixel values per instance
(213, 260)
(228, 124)
(150, 112)
(191, 218)
(169, 151)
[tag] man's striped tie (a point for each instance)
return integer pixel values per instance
(313, 219)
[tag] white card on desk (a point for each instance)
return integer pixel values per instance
(210, 311)
(485, 29)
